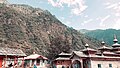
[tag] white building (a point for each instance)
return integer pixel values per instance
(38, 60)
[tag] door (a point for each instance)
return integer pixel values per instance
(1, 60)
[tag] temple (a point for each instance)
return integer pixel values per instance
(102, 57)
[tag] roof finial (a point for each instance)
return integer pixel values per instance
(33, 52)
(115, 39)
(103, 43)
(86, 45)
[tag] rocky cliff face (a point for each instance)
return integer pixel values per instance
(33, 29)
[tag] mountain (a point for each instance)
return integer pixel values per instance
(33, 29)
(106, 35)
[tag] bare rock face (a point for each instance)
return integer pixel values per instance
(33, 29)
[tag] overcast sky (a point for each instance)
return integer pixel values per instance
(81, 14)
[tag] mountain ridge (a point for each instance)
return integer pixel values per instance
(107, 35)
(32, 29)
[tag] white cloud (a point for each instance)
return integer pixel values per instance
(53, 3)
(106, 17)
(107, 3)
(68, 22)
(86, 16)
(117, 24)
(87, 21)
(115, 7)
(112, 6)
(62, 18)
(77, 6)
(103, 19)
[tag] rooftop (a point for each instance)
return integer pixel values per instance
(11, 52)
(35, 56)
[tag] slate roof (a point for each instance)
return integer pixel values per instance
(11, 52)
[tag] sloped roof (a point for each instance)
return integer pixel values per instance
(89, 49)
(35, 56)
(62, 53)
(106, 52)
(116, 45)
(116, 51)
(62, 58)
(104, 47)
(80, 54)
(11, 52)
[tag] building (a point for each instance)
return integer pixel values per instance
(9, 56)
(103, 57)
(36, 60)
(63, 60)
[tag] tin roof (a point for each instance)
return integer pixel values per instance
(11, 52)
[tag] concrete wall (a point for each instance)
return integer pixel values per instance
(105, 64)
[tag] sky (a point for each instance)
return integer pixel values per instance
(81, 14)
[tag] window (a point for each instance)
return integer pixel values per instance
(99, 66)
(33, 62)
(38, 62)
(110, 65)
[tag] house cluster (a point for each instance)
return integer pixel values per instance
(103, 57)
(16, 58)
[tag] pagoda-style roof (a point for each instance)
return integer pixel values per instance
(35, 56)
(63, 56)
(89, 49)
(80, 54)
(104, 48)
(116, 45)
(106, 52)
(117, 52)
(115, 42)
(11, 52)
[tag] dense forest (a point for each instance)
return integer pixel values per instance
(106, 35)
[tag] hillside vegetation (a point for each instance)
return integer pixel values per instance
(106, 35)
(33, 29)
